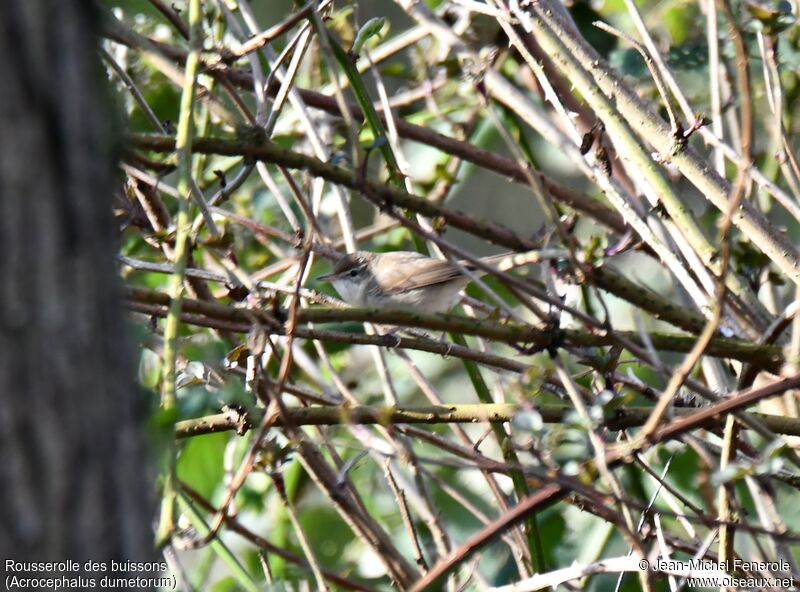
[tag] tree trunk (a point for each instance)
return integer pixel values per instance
(72, 467)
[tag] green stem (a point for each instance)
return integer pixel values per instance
(530, 525)
(183, 147)
(223, 552)
(368, 109)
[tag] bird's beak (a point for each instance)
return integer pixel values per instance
(328, 277)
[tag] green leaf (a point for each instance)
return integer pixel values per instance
(149, 369)
(771, 21)
(733, 472)
(200, 462)
(372, 28)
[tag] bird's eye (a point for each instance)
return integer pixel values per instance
(353, 272)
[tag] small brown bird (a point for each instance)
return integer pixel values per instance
(405, 280)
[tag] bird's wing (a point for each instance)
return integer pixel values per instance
(412, 277)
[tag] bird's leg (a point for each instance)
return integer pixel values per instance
(390, 331)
